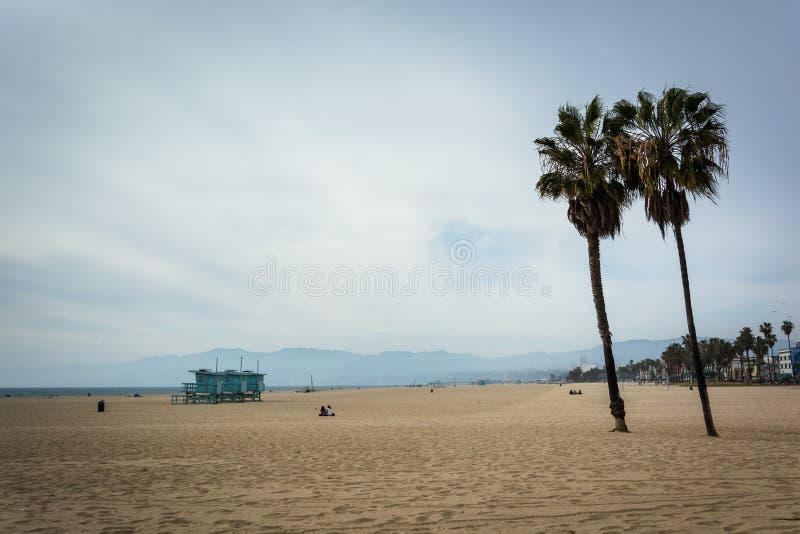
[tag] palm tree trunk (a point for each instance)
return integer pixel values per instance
(771, 364)
(695, 351)
(774, 365)
(749, 371)
(617, 405)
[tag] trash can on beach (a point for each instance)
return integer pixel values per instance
(101, 406)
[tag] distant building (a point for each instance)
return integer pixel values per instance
(748, 372)
(789, 363)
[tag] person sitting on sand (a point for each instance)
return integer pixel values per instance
(322, 411)
(330, 410)
(580, 392)
(572, 392)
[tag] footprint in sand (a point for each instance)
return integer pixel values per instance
(234, 523)
(174, 521)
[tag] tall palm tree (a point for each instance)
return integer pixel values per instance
(670, 149)
(723, 352)
(673, 356)
(709, 353)
(770, 339)
(730, 354)
(746, 342)
(759, 349)
(787, 328)
(578, 165)
(739, 351)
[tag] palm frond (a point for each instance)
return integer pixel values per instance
(579, 165)
(671, 149)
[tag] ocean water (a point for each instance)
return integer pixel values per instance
(128, 391)
(84, 392)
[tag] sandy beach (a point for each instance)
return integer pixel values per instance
(502, 458)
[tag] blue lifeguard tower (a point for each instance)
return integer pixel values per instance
(212, 387)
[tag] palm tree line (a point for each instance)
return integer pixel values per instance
(760, 345)
(663, 151)
(717, 357)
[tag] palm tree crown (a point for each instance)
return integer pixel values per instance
(579, 167)
(769, 336)
(746, 339)
(787, 328)
(670, 149)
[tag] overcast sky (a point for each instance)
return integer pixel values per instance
(157, 156)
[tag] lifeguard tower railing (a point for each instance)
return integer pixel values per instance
(212, 387)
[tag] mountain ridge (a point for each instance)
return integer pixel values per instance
(292, 366)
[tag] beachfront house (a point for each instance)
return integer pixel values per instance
(789, 363)
(737, 373)
(212, 387)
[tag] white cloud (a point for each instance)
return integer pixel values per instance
(153, 159)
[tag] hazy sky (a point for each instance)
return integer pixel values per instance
(155, 154)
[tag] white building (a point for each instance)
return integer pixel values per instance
(785, 362)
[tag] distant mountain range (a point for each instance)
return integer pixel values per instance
(293, 366)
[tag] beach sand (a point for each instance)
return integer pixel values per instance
(526, 458)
